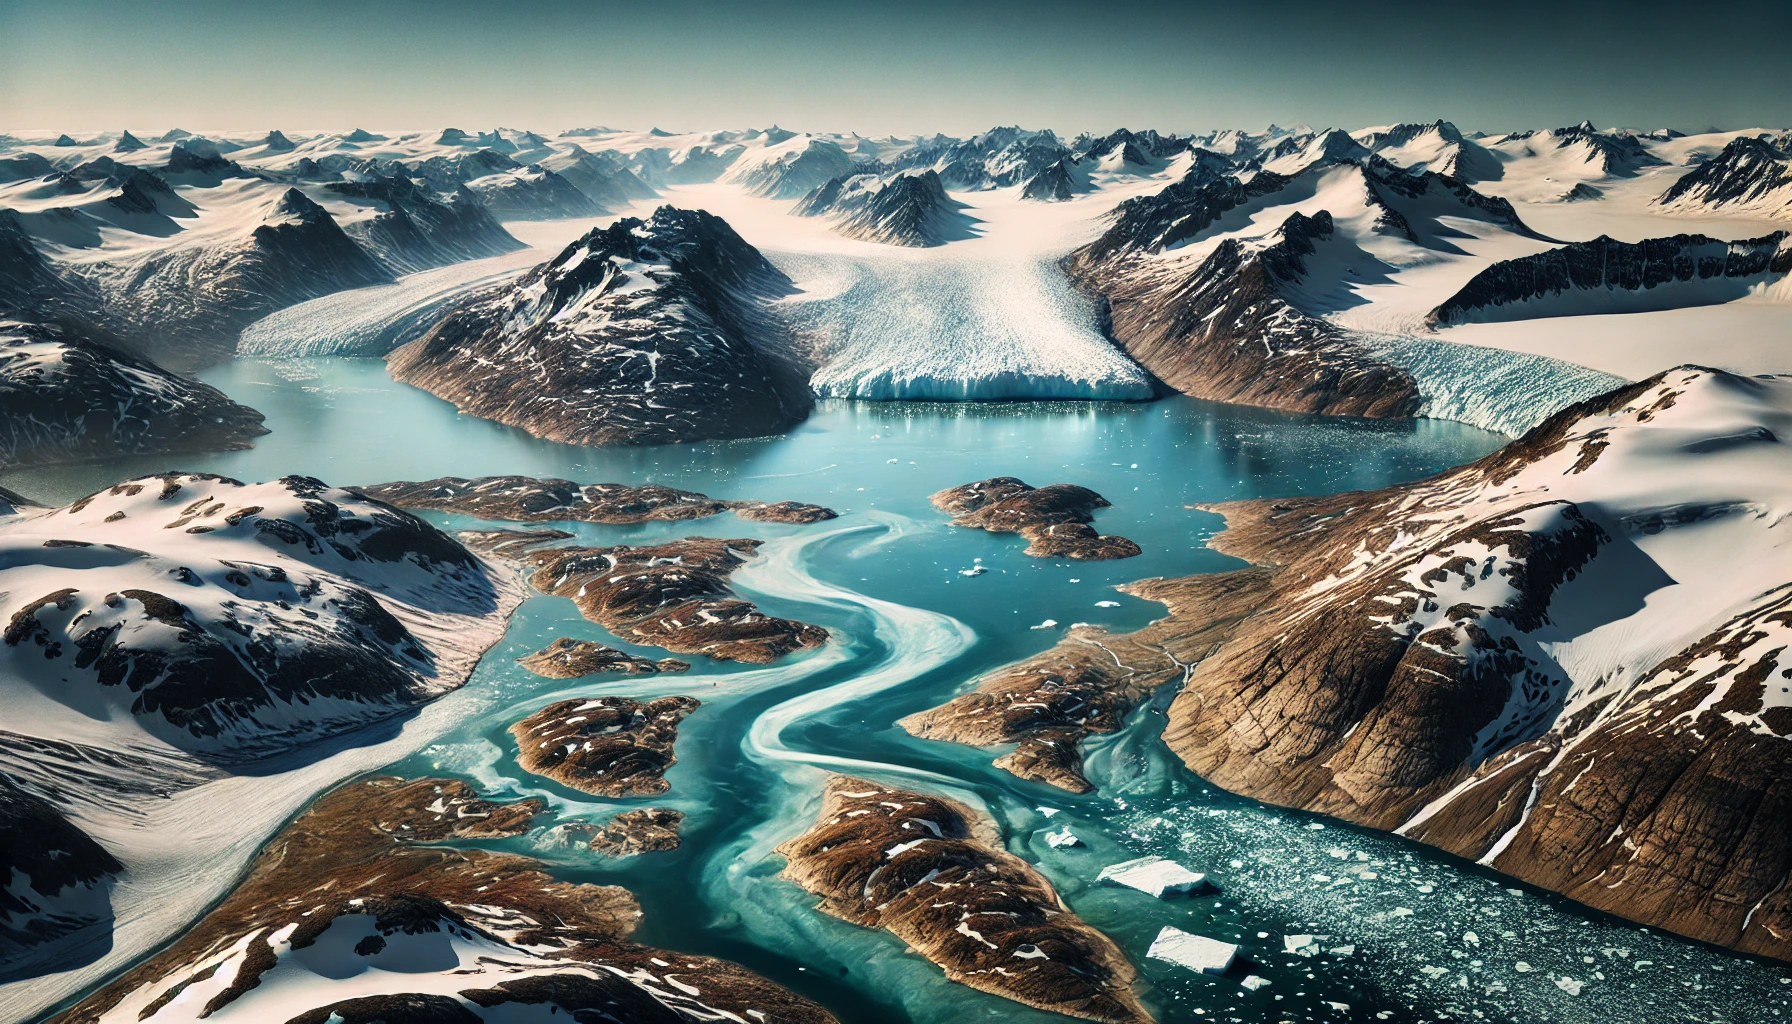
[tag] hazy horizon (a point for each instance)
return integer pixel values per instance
(88, 66)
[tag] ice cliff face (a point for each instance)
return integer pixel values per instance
(646, 332)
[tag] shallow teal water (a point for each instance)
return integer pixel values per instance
(1433, 938)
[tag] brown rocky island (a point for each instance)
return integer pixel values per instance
(933, 872)
(526, 499)
(567, 658)
(1054, 519)
(607, 746)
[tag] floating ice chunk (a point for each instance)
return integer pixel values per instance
(1569, 985)
(1047, 811)
(975, 570)
(1063, 837)
(1344, 950)
(1303, 945)
(1195, 952)
(1107, 604)
(894, 461)
(1154, 875)
(1047, 624)
(1253, 982)
(1340, 1007)
(1522, 967)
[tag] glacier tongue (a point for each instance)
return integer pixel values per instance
(374, 320)
(959, 329)
(1494, 389)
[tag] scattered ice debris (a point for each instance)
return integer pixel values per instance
(1047, 624)
(1253, 982)
(1303, 945)
(1061, 838)
(1195, 952)
(1154, 875)
(1107, 604)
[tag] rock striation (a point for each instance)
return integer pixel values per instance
(932, 872)
(360, 921)
(1054, 519)
(606, 746)
(531, 500)
(567, 658)
(649, 830)
(645, 332)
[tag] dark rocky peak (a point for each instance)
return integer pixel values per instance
(485, 161)
(360, 135)
(452, 137)
(495, 140)
(25, 165)
(659, 133)
(127, 143)
(200, 158)
(100, 168)
(693, 244)
(1388, 184)
(1055, 184)
(174, 135)
(775, 135)
(64, 140)
(275, 142)
(1148, 224)
(143, 191)
(1748, 169)
(1401, 134)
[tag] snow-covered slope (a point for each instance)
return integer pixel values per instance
(180, 643)
(1753, 173)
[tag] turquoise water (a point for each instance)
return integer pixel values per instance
(1432, 938)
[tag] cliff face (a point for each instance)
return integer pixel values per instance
(1750, 174)
(646, 332)
(1224, 329)
(1609, 276)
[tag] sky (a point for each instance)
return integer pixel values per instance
(888, 66)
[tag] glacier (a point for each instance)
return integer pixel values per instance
(374, 320)
(958, 329)
(1494, 389)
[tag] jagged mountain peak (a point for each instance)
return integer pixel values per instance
(128, 143)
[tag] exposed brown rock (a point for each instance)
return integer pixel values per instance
(354, 855)
(1092, 679)
(1053, 518)
(673, 595)
(933, 872)
(609, 746)
(530, 500)
(649, 830)
(509, 544)
(567, 658)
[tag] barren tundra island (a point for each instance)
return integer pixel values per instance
(895, 515)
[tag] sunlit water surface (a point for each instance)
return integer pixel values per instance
(1402, 933)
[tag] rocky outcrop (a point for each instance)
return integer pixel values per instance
(640, 333)
(1092, 679)
(1054, 519)
(567, 658)
(1609, 276)
(607, 746)
(1750, 174)
(909, 208)
(67, 399)
(932, 872)
(238, 620)
(998, 158)
(648, 830)
(1223, 329)
(1177, 214)
(349, 907)
(673, 595)
(603, 177)
(1056, 184)
(531, 500)
(413, 227)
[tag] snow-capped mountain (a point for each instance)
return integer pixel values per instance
(646, 332)
(1752, 173)
(905, 208)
